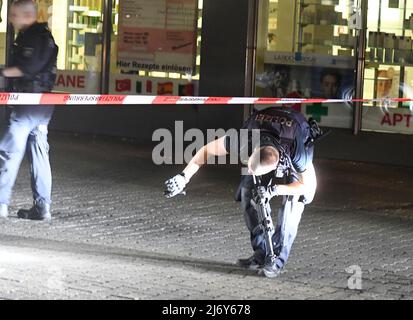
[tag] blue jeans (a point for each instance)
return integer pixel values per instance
(26, 132)
(289, 216)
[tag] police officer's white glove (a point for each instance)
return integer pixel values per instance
(267, 193)
(175, 186)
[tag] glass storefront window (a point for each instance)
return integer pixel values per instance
(76, 26)
(3, 30)
(389, 66)
(185, 21)
(306, 49)
(310, 26)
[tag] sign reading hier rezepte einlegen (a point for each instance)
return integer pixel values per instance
(157, 35)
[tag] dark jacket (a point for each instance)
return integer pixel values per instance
(34, 53)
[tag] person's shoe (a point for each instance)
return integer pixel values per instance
(250, 263)
(4, 211)
(270, 269)
(39, 211)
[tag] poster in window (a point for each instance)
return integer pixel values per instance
(157, 35)
(302, 81)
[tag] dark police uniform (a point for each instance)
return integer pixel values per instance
(291, 131)
(34, 53)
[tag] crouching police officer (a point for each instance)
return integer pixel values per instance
(32, 69)
(283, 161)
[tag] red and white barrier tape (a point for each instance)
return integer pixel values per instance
(102, 99)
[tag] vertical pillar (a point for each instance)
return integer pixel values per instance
(361, 63)
(106, 38)
(223, 60)
(251, 53)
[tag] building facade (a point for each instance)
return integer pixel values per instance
(271, 48)
(340, 49)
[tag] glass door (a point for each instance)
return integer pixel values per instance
(76, 26)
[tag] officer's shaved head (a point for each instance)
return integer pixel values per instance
(23, 13)
(263, 160)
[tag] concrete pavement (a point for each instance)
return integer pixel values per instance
(115, 236)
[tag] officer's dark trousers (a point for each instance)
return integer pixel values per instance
(26, 132)
(289, 216)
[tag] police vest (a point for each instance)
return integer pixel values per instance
(286, 126)
(283, 122)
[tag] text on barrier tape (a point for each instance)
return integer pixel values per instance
(107, 99)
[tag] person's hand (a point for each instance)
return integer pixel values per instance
(175, 186)
(267, 193)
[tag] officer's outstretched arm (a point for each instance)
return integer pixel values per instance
(176, 185)
(307, 184)
(215, 148)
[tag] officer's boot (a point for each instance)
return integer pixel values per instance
(255, 262)
(270, 269)
(249, 263)
(39, 211)
(4, 211)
